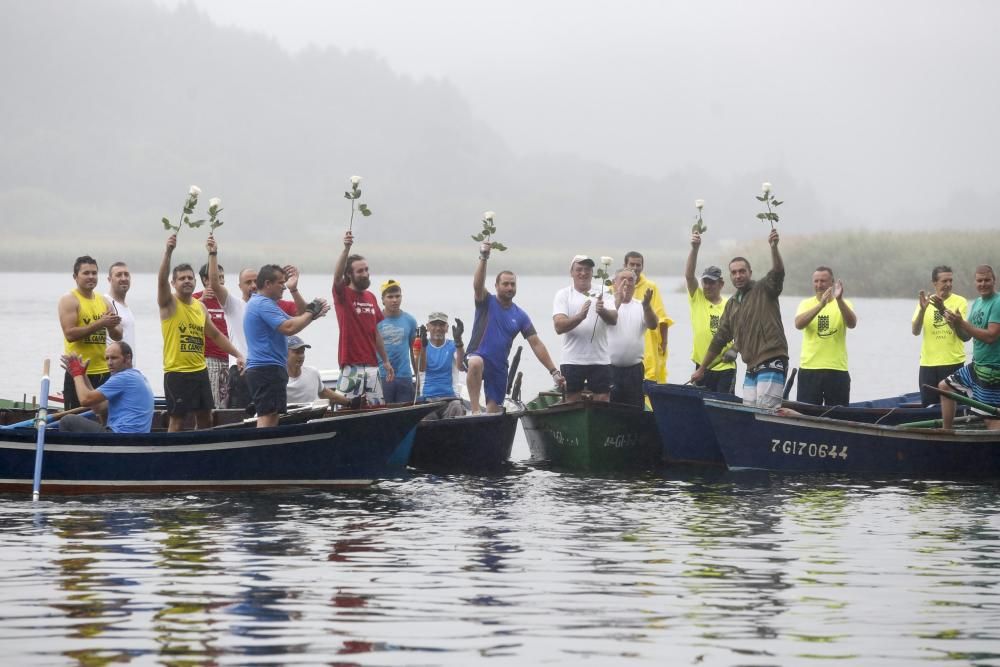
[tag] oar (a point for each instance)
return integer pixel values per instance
(40, 426)
(515, 393)
(965, 400)
(938, 423)
(55, 416)
(789, 384)
(512, 373)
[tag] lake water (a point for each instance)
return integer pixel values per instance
(530, 567)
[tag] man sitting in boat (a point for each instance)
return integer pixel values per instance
(824, 319)
(304, 382)
(498, 321)
(979, 380)
(753, 319)
(441, 360)
(706, 305)
(626, 340)
(125, 398)
(585, 361)
(942, 351)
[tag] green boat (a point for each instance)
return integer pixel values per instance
(590, 435)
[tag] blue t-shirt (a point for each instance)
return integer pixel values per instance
(398, 333)
(438, 378)
(130, 402)
(266, 346)
(495, 328)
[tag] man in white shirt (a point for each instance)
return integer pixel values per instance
(582, 318)
(304, 383)
(626, 340)
(119, 280)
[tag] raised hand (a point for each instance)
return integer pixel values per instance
(772, 238)
(582, 313)
(695, 239)
(457, 330)
(647, 298)
(424, 337)
(348, 239)
(171, 243)
(291, 276)
(210, 245)
(484, 250)
(937, 302)
(922, 299)
(838, 289)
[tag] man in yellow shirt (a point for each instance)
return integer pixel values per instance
(706, 305)
(184, 322)
(824, 320)
(87, 320)
(654, 359)
(942, 351)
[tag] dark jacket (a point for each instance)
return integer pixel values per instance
(753, 319)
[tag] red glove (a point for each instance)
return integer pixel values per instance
(76, 368)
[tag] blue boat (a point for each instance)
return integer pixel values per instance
(688, 437)
(756, 439)
(340, 451)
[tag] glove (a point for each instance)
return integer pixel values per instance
(76, 367)
(314, 307)
(356, 402)
(422, 334)
(456, 332)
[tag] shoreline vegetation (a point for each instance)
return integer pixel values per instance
(871, 264)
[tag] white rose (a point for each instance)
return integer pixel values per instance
(766, 187)
(194, 191)
(489, 215)
(699, 204)
(355, 180)
(214, 202)
(606, 261)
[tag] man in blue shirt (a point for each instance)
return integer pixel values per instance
(398, 331)
(266, 327)
(498, 321)
(125, 397)
(440, 362)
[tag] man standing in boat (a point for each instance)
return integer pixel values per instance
(235, 309)
(119, 281)
(125, 399)
(586, 364)
(184, 323)
(706, 305)
(654, 359)
(498, 321)
(752, 318)
(979, 380)
(216, 358)
(942, 350)
(87, 320)
(824, 320)
(626, 340)
(267, 327)
(398, 330)
(358, 315)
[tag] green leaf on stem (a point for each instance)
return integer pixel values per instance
(194, 224)
(762, 216)
(496, 245)
(348, 195)
(166, 224)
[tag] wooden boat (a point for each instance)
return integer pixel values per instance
(590, 435)
(479, 443)
(349, 450)
(688, 437)
(751, 438)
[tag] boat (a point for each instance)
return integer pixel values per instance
(590, 435)
(688, 437)
(472, 443)
(341, 451)
(751, 438)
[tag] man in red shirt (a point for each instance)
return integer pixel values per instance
(216, 358)
(358, 313)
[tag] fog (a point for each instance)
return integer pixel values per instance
(569, 118)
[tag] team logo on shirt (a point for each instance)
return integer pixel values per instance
(713, 323)
(939, 320)
(823, 327)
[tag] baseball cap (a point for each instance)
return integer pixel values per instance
(581, 259)
(389, 284)
(712, 273)
(437, 316)
(294, 343)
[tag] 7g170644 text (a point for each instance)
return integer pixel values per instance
(811, 449)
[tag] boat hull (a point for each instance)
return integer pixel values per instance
(760, 440)
(470, 444)
(592, 436)
(353, 450)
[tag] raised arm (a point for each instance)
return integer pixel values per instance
(479, 277)
(850, 318)
(338, 272)
(692, 261)
(311, 311)
(649, 317)
(164, 299)
(803, 319)
(214, 283)
(292, 283)
(918, 320)
(776, 263)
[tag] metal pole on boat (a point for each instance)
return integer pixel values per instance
(40, 423)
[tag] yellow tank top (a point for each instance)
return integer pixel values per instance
(90, 347)
(184, 338)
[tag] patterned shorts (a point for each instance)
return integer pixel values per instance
(360, 381)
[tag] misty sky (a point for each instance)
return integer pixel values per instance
(880, 107)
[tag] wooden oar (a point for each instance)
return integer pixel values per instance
(83, 411)
(965, 400)
(512, 373)
(939, 423)
(40, 426)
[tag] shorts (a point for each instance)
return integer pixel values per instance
(764, 384)
(70, 399)
(824, 386)
(721, 382)
(965, 381)
(218, 376)
(932, 376)
(400, 390)
(595, 378)
(494, 379)
(187, 392)
(360, 380)
(268, 389)
(626, 385)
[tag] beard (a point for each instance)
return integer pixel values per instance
(361, 284)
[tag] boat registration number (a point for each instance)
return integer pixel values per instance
(795, 448)
(622, 440)
(562, 439)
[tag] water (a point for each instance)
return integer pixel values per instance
(529, 567)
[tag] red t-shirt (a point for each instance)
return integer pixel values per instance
(289, 307)
(218, 316)
(357, 315)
